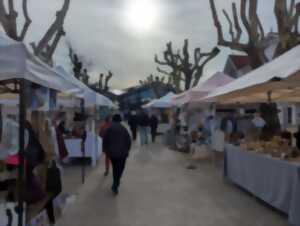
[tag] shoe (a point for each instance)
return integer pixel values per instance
(115, 191)
(106, 173)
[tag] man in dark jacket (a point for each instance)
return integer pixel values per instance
(133, 124)
(153, 125)
(117, 143)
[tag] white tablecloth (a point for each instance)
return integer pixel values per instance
(93, 147)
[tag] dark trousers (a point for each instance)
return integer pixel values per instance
(107, 162)
(133, 132)
(118, 165)
(50, 211)
(153, 133)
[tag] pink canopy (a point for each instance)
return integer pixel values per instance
(203, 88)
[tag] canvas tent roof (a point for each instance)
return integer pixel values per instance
(203, 88)
(163, 102)
(16, 62)
(271, 78)
(91, 97)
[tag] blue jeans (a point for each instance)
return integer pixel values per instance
(143, 130)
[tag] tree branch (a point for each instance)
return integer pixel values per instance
(217, 23)
(27, 21)
(245, 19)
(54, 44)
(199, 69)
(163, 71)
(3, 17)
(236, 24)
(221, 41)
(159, 61)
(56, 26)
(230, 25)
(292, 8)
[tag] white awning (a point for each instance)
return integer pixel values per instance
(203, 88)
(90, 97)
(16, 62)
(163, 102)
(270, 80)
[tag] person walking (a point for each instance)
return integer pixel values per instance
(133, 124)
(143, 125)
(153, 126)
(297, 136)
(117, 144)
(103, 127)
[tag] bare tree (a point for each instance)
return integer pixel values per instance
(8, 20)
(43, 49)
(77, 64)
(107, 79)
(85, 77)
(48, 44)
(100, 82)
(253, 26)
(287, 22)
(288, 37)
(158, 84)
(183, 69)
(103, 82)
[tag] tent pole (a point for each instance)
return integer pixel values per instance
(21, 167)
(83, 139)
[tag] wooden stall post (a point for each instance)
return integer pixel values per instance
(21, 166)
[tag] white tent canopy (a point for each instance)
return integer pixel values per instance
(257, 85)
(16, 62)
(90, 97)
(163, 102)
(202, 89)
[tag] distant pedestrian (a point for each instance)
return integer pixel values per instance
(143, 126)
(117, 144)
(297, 136)
(153, 126)
(133, 124)
(103, 127)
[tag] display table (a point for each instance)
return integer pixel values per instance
(163, 128)
(275, 181)
(93, 148)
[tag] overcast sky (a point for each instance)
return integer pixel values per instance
(104, 34)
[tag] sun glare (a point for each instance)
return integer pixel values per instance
(141, 15)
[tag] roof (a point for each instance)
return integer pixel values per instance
(240, 61)
(256, 81)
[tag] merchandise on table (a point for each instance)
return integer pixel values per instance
(277, 147)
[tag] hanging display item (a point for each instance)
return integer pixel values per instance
(9, 145)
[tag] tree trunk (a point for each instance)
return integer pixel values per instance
(177, 80)
(255, 57)
(188, 81)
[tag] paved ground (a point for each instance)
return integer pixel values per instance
(157, 189)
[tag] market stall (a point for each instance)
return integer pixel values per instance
(267, 167)
(268, 82)
(163, 102)
(90, 102)
(273, 180)
(203, 88)
(23, 138)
